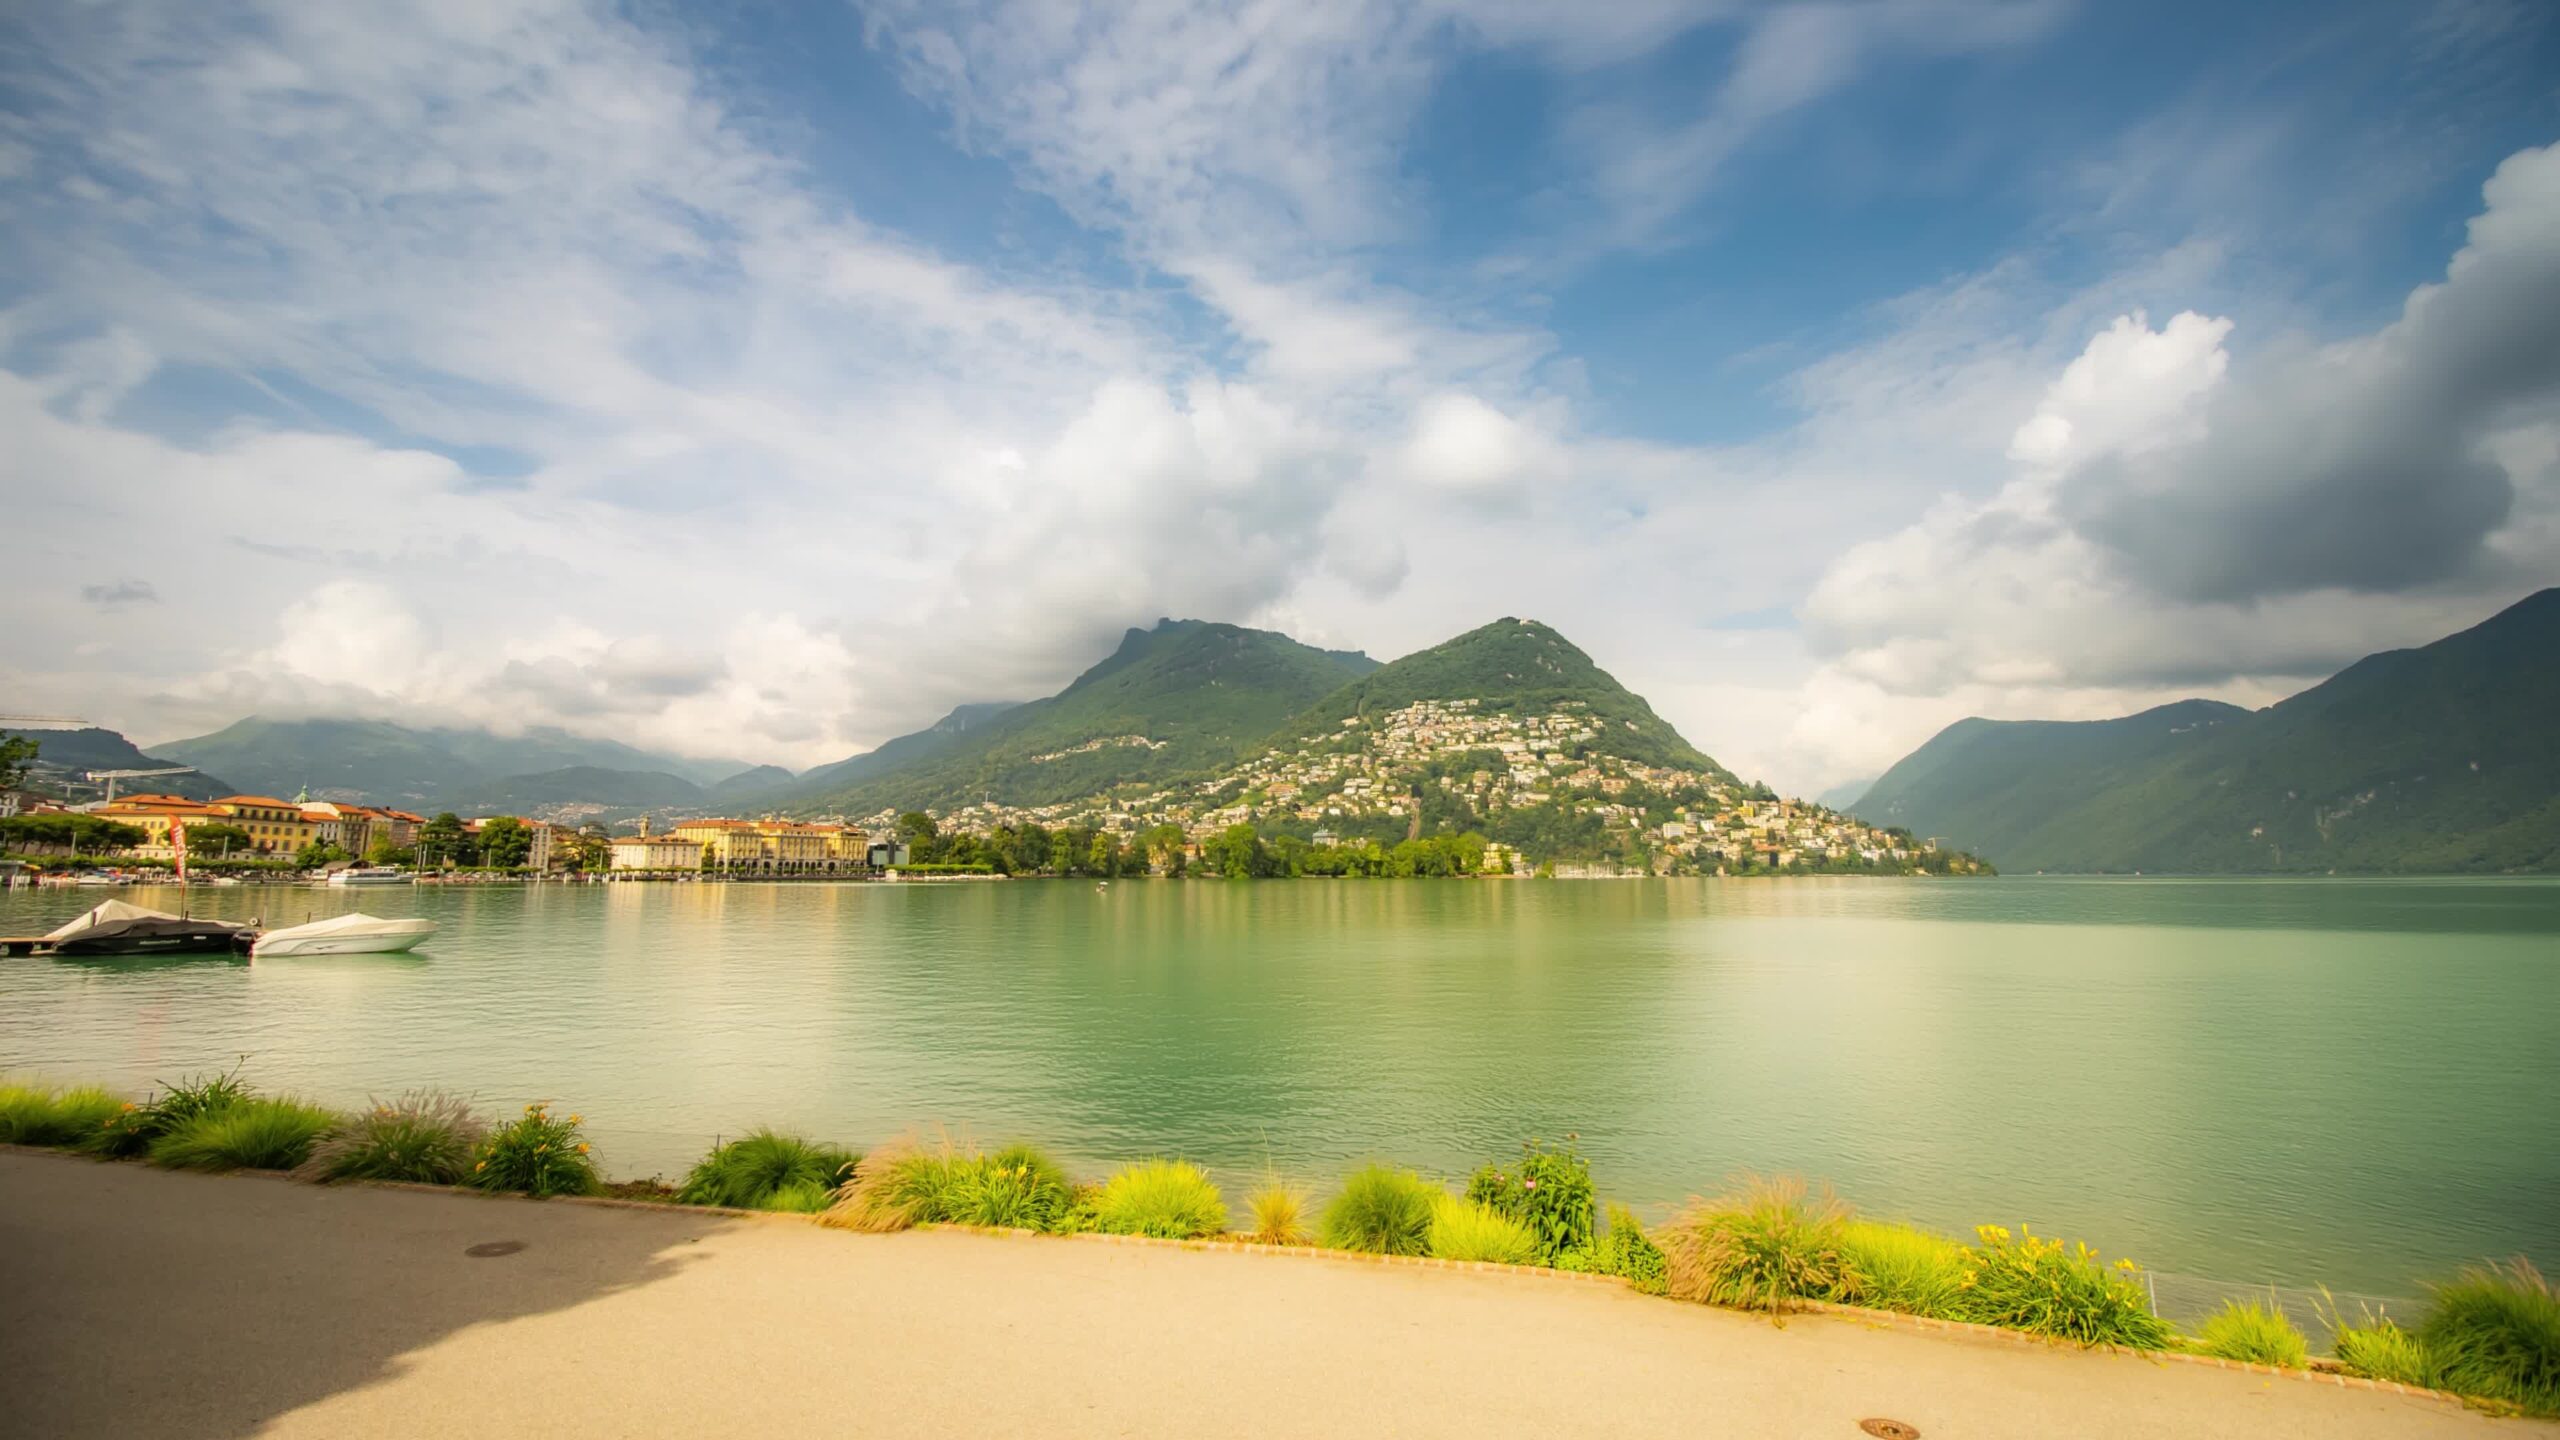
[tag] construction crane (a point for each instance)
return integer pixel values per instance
(112, 776)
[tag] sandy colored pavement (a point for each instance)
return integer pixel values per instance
(138, 1303)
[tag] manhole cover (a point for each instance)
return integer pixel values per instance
(490, 1249)
(1890, 1429)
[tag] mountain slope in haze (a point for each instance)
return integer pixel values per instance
(1172, 701)
(555, 794)
(381, 763)
(2443, 758)
(64, 757)
(1510, 666)
(944, 734)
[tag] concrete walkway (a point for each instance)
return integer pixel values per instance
(138, 1303)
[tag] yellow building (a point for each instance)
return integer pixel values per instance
(274, 826)
(656, 852)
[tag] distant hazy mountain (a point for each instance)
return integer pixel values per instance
(2441, 758)
(63, 757)
(1517, 666)
(579, 786)
(748, 784)
(384, 763)
(1173, 700)
(1844, 796)
(944, 734)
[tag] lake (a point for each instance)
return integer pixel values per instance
(2350, 1082)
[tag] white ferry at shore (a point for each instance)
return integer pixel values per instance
(355, 875)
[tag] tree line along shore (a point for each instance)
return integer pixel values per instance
(2490, 1334)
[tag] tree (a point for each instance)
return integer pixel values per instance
(443, 840)
(917, 828)
(317, 854)
(17, 757)
(505, 841)
(216, 840)
(384, 852)
(1164, 845)
(1236, 852)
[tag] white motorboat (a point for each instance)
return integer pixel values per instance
(361, 876)
(357, 934)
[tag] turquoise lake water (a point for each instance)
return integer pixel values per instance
(2350, 1082)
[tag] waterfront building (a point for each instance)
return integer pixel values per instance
(645, 851)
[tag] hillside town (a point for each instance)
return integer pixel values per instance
(1537, 786)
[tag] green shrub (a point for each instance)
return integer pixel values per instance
(2045, 1288)
(2494, 1332)
(30, 1115)
(1169, 1199)
(536, 1154)
(1899, 1268)
(2377, 1348)
(1016, 1188)
(424, 1136)
(1624, 1249)
(745, 1173)
(800, 1197)
(2254, 1333)
(250, 1135)
(1382, 1211)
(1766, 1246)
(1279, 1212)
(133, 1129)
(1550, 1193)
(1465, 1230)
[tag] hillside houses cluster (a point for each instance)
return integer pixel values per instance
(1493, 761)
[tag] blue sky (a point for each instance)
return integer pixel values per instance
(763, 380)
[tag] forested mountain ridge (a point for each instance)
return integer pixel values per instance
(2441, 758)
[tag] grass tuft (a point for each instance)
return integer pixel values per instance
(135, 1128)
(1895, 1267)
(425, 1136)
(1279, 1212)
(2494, 1332)
(1625, 1249)
(800, 1197)
(2254, 1333)
(1468, 1230)
(34, 1115)
(748, 1173)
(250, 1135)
(901, 1184)
(2043, 1287)
(2375, 1346)
(1769, 1244)
(1382, 1211)
(1169, 1199)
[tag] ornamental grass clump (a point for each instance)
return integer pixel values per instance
(537, 1153)
(1278, 1211)
(1383, 1212)
(2046, 1288)
(35, 1115)
(2494, 1332)
(1550, 1193)
(747, 1173)
(260, 1134)
(1899, 1268)
(1624, 1249)
(426, 1137)
(1169, 1199)
(1769, 1245)
(2375, 1347)
(1466, 1230)
(899, 1184)
(2255, 1334)
(134, 1128)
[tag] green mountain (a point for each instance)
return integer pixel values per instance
(64, 757)
(1515, 667)
(762, 780)
(1174, 701)
(382, 763)
(2439, 759)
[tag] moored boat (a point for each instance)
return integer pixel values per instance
(116, 928)
(360, 875)
(355, 934)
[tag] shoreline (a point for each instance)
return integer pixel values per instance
(624, 1317)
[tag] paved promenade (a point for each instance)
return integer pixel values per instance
(138, 1303)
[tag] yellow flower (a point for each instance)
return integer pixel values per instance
(483, 1165)
(577, 1119)
(582, 1147)
(533, 1109)
(128, 1105)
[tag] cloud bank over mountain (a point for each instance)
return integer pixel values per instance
(764, 386)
